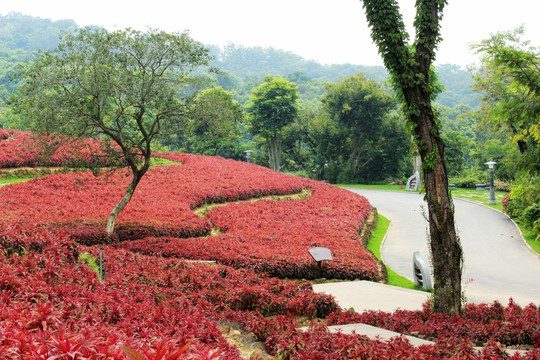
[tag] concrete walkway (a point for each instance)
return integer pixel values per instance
(369, 295)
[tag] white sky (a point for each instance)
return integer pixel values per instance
(327, 31)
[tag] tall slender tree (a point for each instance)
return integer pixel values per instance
(409, 66)
(273, 106)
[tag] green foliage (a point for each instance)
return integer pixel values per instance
(457, 84)
(467, 181)
(430, 160)
(510, 81)
(21, 37)
(358, 137)
(523, 204)
(455, 149)
(214, 124)
(90, 260)
(531, 215)
(273, 106)
(27, 33)
(257, 62)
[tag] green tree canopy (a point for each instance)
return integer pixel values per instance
(273, 106)
(360, 106)
(509, 80)
(214, 120)
(127, 86)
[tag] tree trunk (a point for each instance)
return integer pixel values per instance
(111, 221)
(410, 69)
(274, 153)
(446, 251)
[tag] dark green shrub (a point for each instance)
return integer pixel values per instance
(523, 203)
(468, 182)
(531, 215)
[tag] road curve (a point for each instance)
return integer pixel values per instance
(498, 264)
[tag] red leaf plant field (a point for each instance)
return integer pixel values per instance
(152, 304)
(25, 149)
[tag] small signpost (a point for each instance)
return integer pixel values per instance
(320, 254)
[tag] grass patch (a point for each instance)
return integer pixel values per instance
(374, 245)
(14, 180)
(375, 187)
(90, 260)
(530, 238)
(479, 196)
(156, 161)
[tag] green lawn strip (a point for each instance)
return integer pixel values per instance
(530, 238)
(480, 196)
(156, 161)
(375, 187)
(374, 246)
(13, 180)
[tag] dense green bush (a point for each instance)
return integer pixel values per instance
(531, 215)
(467, 181)
(523, 202)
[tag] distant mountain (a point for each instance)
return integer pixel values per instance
(21, 36)
(27, 33)
(256, 62)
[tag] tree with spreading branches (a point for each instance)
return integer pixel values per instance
(126, 87)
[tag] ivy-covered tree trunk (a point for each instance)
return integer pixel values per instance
(410, 68)
(446, 251)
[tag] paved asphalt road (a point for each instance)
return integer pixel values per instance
(498, 264)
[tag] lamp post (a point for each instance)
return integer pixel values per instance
(248, 155)
(491, 165)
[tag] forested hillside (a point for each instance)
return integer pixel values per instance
(314, 143)
(21, 37)
(244, 65)
(243, 68)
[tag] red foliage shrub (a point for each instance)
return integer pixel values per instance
(4, 134)
(53, 306)
(25, 149)
(510, 325)
(80, 203)
(162, 206)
